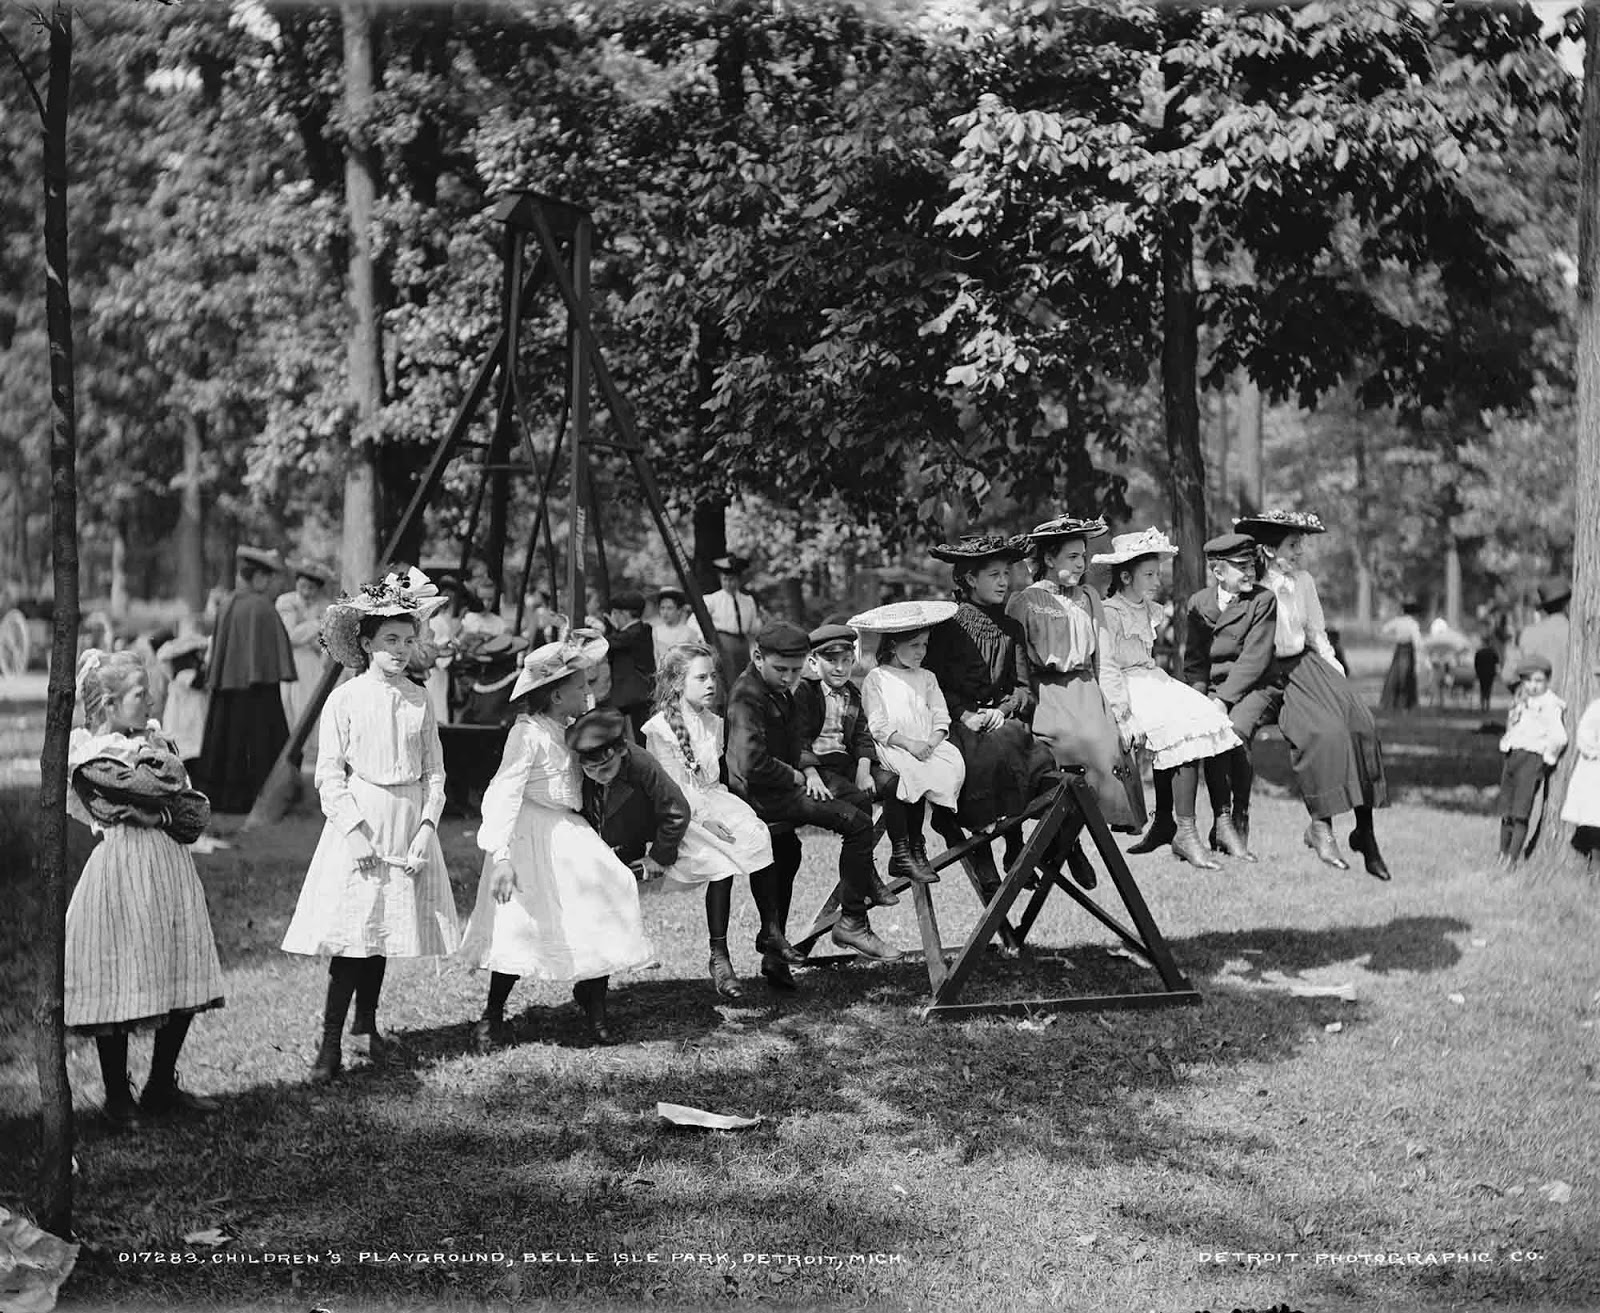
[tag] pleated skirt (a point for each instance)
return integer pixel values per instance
(139, 946)
(1333, 740)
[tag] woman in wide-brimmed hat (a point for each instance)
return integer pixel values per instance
(1061, 618)
(979, 657)
(554, 902)
(1333, 740)
(1179, 726)
(377, 886)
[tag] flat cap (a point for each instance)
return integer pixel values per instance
(597, 731)
(827, 635)
(1230, 546)
(780, 638)
(630, 600)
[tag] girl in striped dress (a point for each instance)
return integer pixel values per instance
(378, 886)
(139, 950)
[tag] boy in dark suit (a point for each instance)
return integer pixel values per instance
(632, 657)
(763, 757)
(1229, 657)
(837, 755)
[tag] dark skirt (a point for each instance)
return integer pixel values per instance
(1075, 722)
(1400, 684)
(1333, 740)
(1006, 769)
(245, 731)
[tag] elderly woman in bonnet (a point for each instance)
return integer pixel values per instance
(1333, 740)
(1180, 727)
(1061, 619)
(554, 902)
(377, 886)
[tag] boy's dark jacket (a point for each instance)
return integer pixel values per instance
(633, 665)
(763, 752)
(1229, 653)
(810, 707)
(641, 808)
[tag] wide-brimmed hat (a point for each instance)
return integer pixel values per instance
(732, 563)
(263, 557)
(1237, 547)
(1557, 588)
(309, 569)
(579, 650)
(903, 617)
(1066, 526)
(495, 647)
(974, 548)
(597, 732)
(1266, 526)
(390, 597)
(181, 646)
(1131, 546)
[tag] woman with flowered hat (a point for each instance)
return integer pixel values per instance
(1333, 740)
(378, 886)
(554, 902)
(1179, 726)
(1061, 618)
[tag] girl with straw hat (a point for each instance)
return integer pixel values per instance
(1177, 725)
(554, 902)
(378, 886)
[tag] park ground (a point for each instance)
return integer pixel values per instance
(1122, 1161)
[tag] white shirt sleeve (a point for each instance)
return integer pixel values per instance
(332, 775)
(432, 768)
(502, 801)
(1316, 623)
(876, 708)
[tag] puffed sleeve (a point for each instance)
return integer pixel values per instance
(432, 767)
(1036, 628)
(502, 800)
(1113, 679)
(936, 704)
(332, 777)
(1316, 623)
(875, 707)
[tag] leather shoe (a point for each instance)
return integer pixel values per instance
(920, 871)
(880, 895)
(776, 970)
(591, 1001)
(776, 945)
(123, 1115)
(1366, 843)
(860, 937)
(329, 1061)
(723, 979)
(1186, 846)
(489, 1034)
(1082, 871)
(1319, 838)
(1158, 836)
(160, 1100)
(1225, 838)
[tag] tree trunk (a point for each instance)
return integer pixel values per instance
(191, 542)
(1250, 482)
(53, 1189)
(1452, 575)
(1361, 549)
(1583, 650)
(359, 550)
(1180, 354)
(119, 564)
(710, 541)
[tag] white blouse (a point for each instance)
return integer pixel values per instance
(1403, 629)
(705, 738)
(301, 619)
(383, 730)
(536, 767)
(736, 614)
(1301, 623)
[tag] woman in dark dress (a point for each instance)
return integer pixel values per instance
(1400, 684)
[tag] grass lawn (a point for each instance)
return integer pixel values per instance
(1085, 1162)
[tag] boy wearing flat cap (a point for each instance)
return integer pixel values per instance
(1533, 742)
(1229, 656)
(763, 756)
(627, 796)
(837, 755)
(632, 658)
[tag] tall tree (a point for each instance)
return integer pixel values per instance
(54, 1185)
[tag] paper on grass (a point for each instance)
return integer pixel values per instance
(681, 1115)
(33, 1264)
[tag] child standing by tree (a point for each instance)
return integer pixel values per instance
(554, 902)
(139, 949)
(1532, 745)
(725, 837)
(908, 718)
(377, 886)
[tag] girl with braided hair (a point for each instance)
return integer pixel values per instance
(725, 837)
(139, 949)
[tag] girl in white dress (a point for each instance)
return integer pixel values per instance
(377, 886)
(554, 902)
(1582, 804)
(1180, 727)
(907, 715)
(725, 837)
(139, 949)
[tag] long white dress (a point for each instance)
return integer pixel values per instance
(303, 622)
(379, 765)
(702, 857)
(1582, 806)
(139, 945)
(575, 913)
(901, 701)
